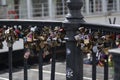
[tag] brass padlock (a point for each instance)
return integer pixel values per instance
(42, 44)
(37, 47)
(46, 30)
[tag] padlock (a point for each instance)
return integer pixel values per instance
(42, 41)
(2, 37)
(27, 54)
(29, 37)
(117, 43)
(46, 30)
(55, 43)
(96, 36)
(62, 34)
(106, 50)
(42, 38)
(37, 47)
(18, 34)
(84, 40)
(9, 35)
(32, 29)
(46, 51)
(33, 45)
(79, 38)
(81, 30)
(26, 45)
(110, 62)
(107, 44)
(117, 40)
(56, 28)
(42, 44)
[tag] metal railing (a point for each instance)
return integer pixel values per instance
(92, 29)
(80, 37)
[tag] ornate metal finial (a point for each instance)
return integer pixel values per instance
(74, 11)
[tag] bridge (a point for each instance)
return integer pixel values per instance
(43, 37)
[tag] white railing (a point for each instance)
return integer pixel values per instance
(41, 10)
(100, 6)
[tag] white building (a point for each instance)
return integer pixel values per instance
(96, 11)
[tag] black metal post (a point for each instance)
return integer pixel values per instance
(74, 58)
(10, 62)
(25, 69)
(40, 64)
(53, 64)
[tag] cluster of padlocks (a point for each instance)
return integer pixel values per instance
(97, 42)
(44, 38)
(35, 38)
(10, 35)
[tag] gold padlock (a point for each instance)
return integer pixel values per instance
(42, 44)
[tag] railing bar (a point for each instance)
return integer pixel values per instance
(93, 25)
(57, 22)
(40, 65)
(26, 20)
(25, 69)
(27, 24)
(53, 64)
(93, 66)
(106, 69)
(10, 62)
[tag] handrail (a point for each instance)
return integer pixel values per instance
(105, 27)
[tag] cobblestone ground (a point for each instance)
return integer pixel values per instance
(59, 75)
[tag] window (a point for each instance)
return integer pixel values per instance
(61, 7)
(110, 5)
(2, 2)
(40, 8)
(95, 5)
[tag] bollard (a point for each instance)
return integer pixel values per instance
(116, 60)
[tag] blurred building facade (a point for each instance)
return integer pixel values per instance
(93, 10)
